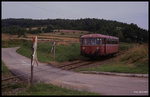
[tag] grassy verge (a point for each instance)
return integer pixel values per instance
(63, 53)
(135, 60)
(119, 67)
(125, 46)
(12, 43)
(5, 74)
(4, 69)
(68, 53)
(48, 89)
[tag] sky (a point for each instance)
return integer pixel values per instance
(126, 12)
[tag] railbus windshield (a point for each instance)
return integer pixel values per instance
(91, 41)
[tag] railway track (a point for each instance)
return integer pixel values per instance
(75, 65)
(80, 63)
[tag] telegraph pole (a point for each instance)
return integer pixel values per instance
(33, 57)
(31, 80)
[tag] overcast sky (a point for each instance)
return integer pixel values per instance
(127, 12)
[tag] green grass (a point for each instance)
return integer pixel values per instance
(11, 86)
(48, 89)
(125, 46)
(43, 89)
(119, 67)
(137, 55)
(63, 53)
(68, 53)
(6, 73)
(4, 68)
(12, 43)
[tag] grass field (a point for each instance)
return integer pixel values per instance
(63, 53)
(134, 60)
(120, 67)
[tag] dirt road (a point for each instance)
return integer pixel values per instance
(103, 84)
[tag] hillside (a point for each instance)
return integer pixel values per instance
(125, 32)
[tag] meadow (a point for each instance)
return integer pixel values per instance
(133, 60)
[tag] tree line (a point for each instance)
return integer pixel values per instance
(125, 32)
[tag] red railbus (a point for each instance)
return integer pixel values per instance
(93, 45)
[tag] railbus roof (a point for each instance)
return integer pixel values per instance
(98, 35)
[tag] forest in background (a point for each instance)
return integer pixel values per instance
(126, 32)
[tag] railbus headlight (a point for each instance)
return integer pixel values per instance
(97, 48)
(83, 48)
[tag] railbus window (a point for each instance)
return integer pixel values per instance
(93, 41)
(84, 41)
(98, 41)
(114, 41)
(103, 40)
(108, 41)
(87, 41)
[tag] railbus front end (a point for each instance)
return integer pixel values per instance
(94, 45)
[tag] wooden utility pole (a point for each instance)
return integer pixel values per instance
(31, 79)
(33, 57)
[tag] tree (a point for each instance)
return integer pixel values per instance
(49, 28)
(107, 27)
(15, 30)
